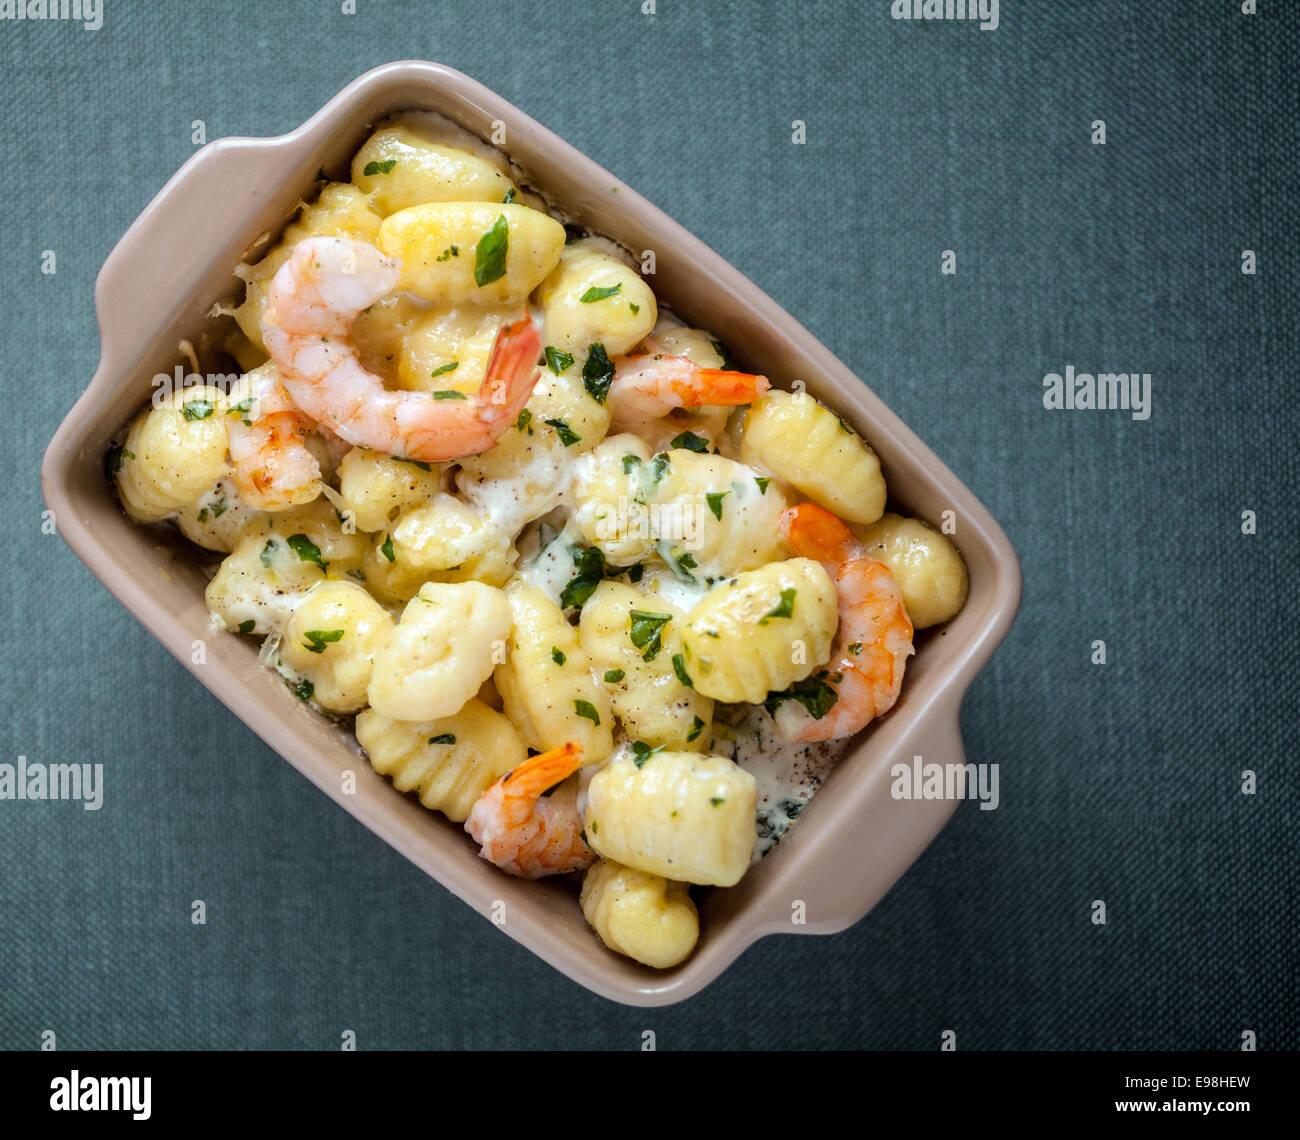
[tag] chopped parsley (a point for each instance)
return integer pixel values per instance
(784, 609)
(680, 562)
(567, 435)
(715, 502)
(557, 360)
(198, 409)
(599, 294)
(723, 355)
(385, 167)
(511, 194)
(558, 657)
(587, 709)
(386, 548)
(116, 454)
(242, 409)
(679, 667)
(267, 554)
(420, 463)
(525, 421)
(815, 696)
(306, 550)
(597, 372)
(444, 369)
(697, 726)
(716, 800)
(634, 307)
(303, 690)
(449, 252)
(646, 631)
(641, 752)
(317, 639)
(491, 252)
(691, 442)
(630, 462)
(614, 676)
(443, 738)
(449, 394)
(247, 626)
(589, 562)
(762, 481)
(658, 466)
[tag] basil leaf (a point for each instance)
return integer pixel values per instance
(589, 563)
(490, 253)
(597, 373)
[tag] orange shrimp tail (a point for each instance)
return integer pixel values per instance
(816, 533)
(543, 771)
(721, 388)
(511, 371)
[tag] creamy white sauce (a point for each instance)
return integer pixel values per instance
(787, 774)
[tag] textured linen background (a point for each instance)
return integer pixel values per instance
(1120, 783)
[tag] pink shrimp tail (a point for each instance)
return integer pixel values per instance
(722, 388)
(511, 372)
(814, 532)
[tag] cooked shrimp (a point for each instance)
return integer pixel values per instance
(273, 467)
(874, 638)
(527, 834)
(313, 300)
(650, 387)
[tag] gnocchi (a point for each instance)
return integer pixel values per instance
(643, 916)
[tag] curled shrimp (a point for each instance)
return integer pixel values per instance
(273, 467)
(874, 639)
(527, 834)
(650, 387)
(314, 298)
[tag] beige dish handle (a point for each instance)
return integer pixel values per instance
(880, 836)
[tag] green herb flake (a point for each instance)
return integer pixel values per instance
(634, 307)
(511, 194)
(599, 294)
(525, 421)
(443, 738)
(635, 573)
(317, 639)
(491, 252)
(641, 752)
(303, 690)
(762, 481)
(306, 550)
(385, 167)
(198, 409)
(449, 394)
(816, 696)
(589, 563)
(567, 435)
(448, 253)
(247, 626)
(716, 800)
(444, 369)
(697, 726)
(557, 360)
(597, 372)
(267, 554)
(646, 631)
(614, 676)
(558, 657)
(219, 508)
(387, 548)
(715, 502)
(728, 364)
(689, 441)
(588, 710)
(784, 609)
(631, 463)
(203, 514)
(679, 667)
(658, 468)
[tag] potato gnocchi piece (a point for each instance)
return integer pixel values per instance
(695, 344)
(503, 251)
(449, 762)
(592, 297)
(399, 166)
(525, 475)
(608, 508)
(761, 631)
(721, 513)
(633, 642)
(930, 573)
(341, 210)
(258, 585)
(641, 916)
(218, 518)
(545, 682)
(809, 446)
(332, 639)
(443, 649)
(376, 487)
(447, 349)
(677, 814)
(315, 533)
(173, 453)
(447, 541)
(380, 332)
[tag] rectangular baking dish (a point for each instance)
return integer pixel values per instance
(159, 285)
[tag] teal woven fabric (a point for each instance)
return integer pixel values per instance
(1120, 783)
